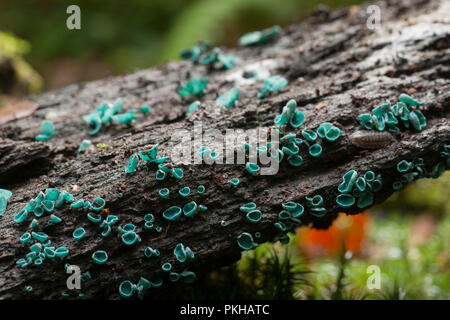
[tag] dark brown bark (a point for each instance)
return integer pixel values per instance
(337, 69)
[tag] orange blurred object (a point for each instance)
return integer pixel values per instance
(348, 231)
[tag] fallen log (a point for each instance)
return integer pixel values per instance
(337, 69)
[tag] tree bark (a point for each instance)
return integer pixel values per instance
(337, 69)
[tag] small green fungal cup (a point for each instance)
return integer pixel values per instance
(79, 233)
(348, 182)
(234, 182)
(98, 204)
(245, 241)
(252, 168)
(130, 238)
(61, 252)
(248, 207)
(190, 209)
(127, 289)
(177, 173)
(39, 236)
(345, 200)
(315, 150)
(100, 257)
(132, 164)
(184, 192)
(254, 216)
(172, 213)
(164, 193)
(166, 267)
(201, 189)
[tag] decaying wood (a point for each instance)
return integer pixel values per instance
(337, 69)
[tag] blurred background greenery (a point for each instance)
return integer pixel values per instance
(120, 36)
(408, 236)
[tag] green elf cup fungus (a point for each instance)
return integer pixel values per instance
(132, 164)
(234, 182)
(369, 176)
(315, 150)
(365, 200)
(349, 180)
(21, 216)
(360, 184)
(149, 218)
(39, 236)
(34, 223)
(290, 149)
(309, 135)
(297, 120)
(194, 86)
(228, 99)
(25, 238)
(77, 204)
(295, 160)
(409, 101)
(129, 227)
(254, 216)
(272, 84)
(245, 241)
(396, 185)
(61, 252)
(194, 52)
(223, 223)
(160, 175)
(417, 120)
(47, 131)
(174, 277)
(51, 194)
(145, 109)
(258, 37)
(345, 200)
(184, 192)
(85, 144)
(111, 220)
(177, 173)
(106, 231)
(98, 204)
(201, 189)
(100, 257)
(193, 107)
(127, 289)
(79, 233)
(315, 201)
(172, 213)
(403, 166)
(130, 238)
(248, 207)
(252, 168)
(94, 217)
(164, 193)
(149, 252)
(190, 209)
(166, 267)
(188, 277)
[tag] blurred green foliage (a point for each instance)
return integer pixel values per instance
(140, 33)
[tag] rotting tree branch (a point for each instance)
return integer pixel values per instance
(337, 69)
